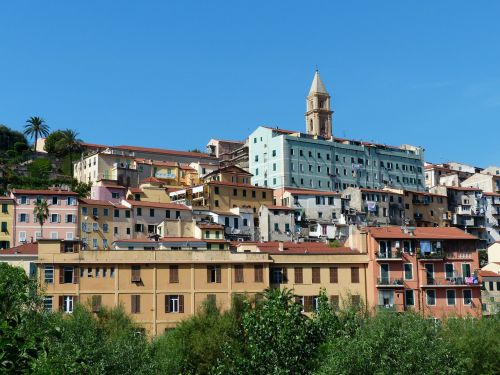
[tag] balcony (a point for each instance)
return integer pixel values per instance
(433, 255)
(451, 281)
(390, 282)
(390, 255)
(464, 210)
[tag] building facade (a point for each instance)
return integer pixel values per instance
(276, 223)
(6, 222)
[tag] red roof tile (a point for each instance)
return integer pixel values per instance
(281, 208)
(172, 206)
(310, 192)
(238, 185)
(95, 202)
(484, 273)
(428, 233)
(461, 188)
(6, 199)
(151, 180)
(30, 248)
(163, 151)
(210, 226)
(43, 192)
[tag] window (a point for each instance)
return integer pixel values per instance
(136, 274)
(216, 190)
(135, 300)
(467, 293)
(139, 211)
(95, 211)
(173, 276)
(105, 212)
(235, 192)
(258, 273)
(335, 301)
(431, 297)
(66, 303)
(115, 195)
(334, 275)
(67, 275)
(112, 272)
(450, 297)
(216, 202)
(299, 277)
(23, 218)
(448, 269)
(104, 271)
(105, 228)
(409, 298)
(127, 213)
(97, 272)
(213, 274)
(116, 213)
(263, 195)
(174, 304)
(48, 274)
(354, 275)
(89, 272)
(55, 200)
(4, 227)
(5, 209)
(408, 271)
(276, 227)
(48, 303)
(238, 273)
(278, 275)
(316, 275)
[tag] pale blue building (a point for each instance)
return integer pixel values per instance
(318, 160)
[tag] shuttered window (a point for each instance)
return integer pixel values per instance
(334, 300)
(136, 274)
(136, 303)
(238, 273)
(174, 304)
(174, 274)
(308, 303)
(96, 303)
(316, 275)
(354, 275)
(334, 275)
(213, 274)
(258, 273)
(299, 277)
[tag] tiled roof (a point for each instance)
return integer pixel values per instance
(428, 233)
(151, 180)
(461, 188)
(164, 152)
(172, 206)
(484, 273)
(30, 248)
(112, 184)
(43, 192)
(303, 248)
(6, 199)
(136, 190)
(284, 131)
(492, 194)
(310, 192)
(156, 162)
(95, 202)
(210, 226)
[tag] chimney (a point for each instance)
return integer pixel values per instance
(280, 246)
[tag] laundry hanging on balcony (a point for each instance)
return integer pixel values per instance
(425, 246)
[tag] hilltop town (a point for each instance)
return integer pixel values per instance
(160, 231)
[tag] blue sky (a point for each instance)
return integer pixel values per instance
(175, 74)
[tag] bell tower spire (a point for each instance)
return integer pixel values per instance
(318, 114)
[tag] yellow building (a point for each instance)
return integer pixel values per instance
(6, 222)
(95, 218)
(221, 196)
(230, 173)
(162, 282)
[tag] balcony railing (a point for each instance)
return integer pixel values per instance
(389, 255)
(432, 255)
(390, 281)
(449, 281)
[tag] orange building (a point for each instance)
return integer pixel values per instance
(427, 269)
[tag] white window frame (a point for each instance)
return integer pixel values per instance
(404, 271)
(48, 303)
(68, 302)
(453, 270)
(413, 293)
(69, 236)
(38, 235)
(22, 236)
(427, 297)
(463, 297)
(54, 236)
(47, 270)
(173, 303)
(454, 297)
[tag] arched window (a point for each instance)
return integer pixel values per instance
(310, 125)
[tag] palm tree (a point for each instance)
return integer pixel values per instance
(36, 127)
(71, 144)
(41, 213)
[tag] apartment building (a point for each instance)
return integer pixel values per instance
(63, 214)
(468, 209)
(277, 223)
(422, 209)
(489, 183)
(150, 190)
(96, 220)
(492, 213)
(373, 206)
(117, 163)
(169, 173)
(108, 190)
(230, 173)
(238, 222)
(6, 222)
(430, 270)
(318, 160)
(222, 196)
(307, 267)
(23, 256)
(158, 288)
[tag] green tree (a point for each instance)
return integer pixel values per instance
(41, 213)
(9, 138)
(390, 344)
(72, 144)
(54, 144)
(40, 168)
(24, 326)
(36, 127)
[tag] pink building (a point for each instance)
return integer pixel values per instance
(107, 190)
(63, 215)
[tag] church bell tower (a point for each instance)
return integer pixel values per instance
(318, 114)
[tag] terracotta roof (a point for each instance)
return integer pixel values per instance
(238, 185)
(428, 233)
(151, 179)
(378, 191)
(172, 206)
(210, 226)
(6, 199)
(156, 162)
(186, 167)
(240, 171)
(95, 202)
(136, 190)
(163, 151)
(303, 248)
(310, 192)
(426, 193)
(43, 192)
(93, 145)
(284, 131)
(281, 208)
(492, 194)
(222, 240)
(484, 273)
(461, 188)
(30, 248)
